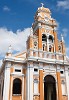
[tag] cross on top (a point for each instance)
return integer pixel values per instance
(42, 4)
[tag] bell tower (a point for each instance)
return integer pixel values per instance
(44, 33)
(44, 27)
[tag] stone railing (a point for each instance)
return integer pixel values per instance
(46, 55)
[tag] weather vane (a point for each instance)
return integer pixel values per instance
(42, 4)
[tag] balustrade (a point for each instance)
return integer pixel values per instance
(47, 55)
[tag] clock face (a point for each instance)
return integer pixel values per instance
(35, 43)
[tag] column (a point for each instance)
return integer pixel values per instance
(29, 80)
(67, 80)
(6, 82)
(59, 86)
(54, 47)
(41, 84)
(47, 43)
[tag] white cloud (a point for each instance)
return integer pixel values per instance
(6, 8)
(65, 31)
(17, 40)
(67, 51)
(63, 4)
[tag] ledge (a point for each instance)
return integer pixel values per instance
(17, 95)
(36, 94)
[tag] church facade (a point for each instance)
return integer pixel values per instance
(42, 71)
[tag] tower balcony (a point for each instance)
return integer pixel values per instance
(47, 57)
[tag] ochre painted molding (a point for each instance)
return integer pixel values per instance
(39, 39)
(41, 84)
(59, 86)
(56, 41)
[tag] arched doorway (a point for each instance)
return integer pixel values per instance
(49, 88)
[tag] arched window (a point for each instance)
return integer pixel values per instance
(44, 38)
(17, 84)
(50, 39)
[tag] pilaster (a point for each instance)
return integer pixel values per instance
(67, 80)
(6, 81)
(59, 86)
(47, 43)
(39, 38)
(41, 83)
(56, 42)
(29, 80)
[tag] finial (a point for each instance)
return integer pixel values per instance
(10, 49)
(9, 53)
(62, 38)
(42, 4)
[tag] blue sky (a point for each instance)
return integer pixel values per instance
(17, 16)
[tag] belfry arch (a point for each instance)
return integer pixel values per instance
(44, 38)
(49, 88)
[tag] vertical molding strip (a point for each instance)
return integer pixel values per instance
(59, 86)
(41, 84)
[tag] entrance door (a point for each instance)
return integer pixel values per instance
(49, 88)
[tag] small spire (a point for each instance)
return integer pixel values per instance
(42, 4)
(9, 53)
(62, 38)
